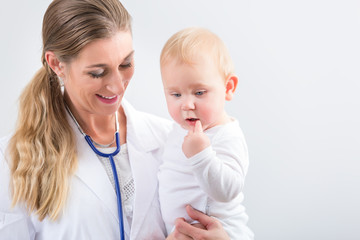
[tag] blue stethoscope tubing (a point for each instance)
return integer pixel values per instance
(113, 167)
(117, 185)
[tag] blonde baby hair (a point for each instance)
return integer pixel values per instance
(190, 42)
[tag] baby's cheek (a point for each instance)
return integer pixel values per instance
(176, 116)
(208, 113)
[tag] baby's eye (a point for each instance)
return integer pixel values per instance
(199, 93)
(176, 95)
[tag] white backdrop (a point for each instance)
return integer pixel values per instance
(298, 99)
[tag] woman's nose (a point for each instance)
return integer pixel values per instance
(116, 84)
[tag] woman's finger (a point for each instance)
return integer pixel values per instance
(214, 229)
(188, 230)
(204, 219)
(178, 234)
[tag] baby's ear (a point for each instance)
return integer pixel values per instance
(230, 86)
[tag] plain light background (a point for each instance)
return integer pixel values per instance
(297, 101)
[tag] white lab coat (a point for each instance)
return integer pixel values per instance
(91, 209)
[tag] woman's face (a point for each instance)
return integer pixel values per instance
(96, 80)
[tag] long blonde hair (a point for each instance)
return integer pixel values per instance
(43, 149)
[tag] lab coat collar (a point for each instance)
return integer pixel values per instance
(89, 172)
(143, 138)
(141, 131)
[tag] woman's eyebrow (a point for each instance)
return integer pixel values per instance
(129, 55)
(102, 65)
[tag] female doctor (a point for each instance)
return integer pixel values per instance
(82, 163)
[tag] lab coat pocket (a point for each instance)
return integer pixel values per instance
(13, 227)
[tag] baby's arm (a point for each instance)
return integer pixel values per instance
(220, 169)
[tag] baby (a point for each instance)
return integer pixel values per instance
(205, 159)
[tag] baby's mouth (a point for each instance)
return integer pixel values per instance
(192, 119)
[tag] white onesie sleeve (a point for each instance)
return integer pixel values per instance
(221, 168)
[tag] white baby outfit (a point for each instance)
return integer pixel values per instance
(211, 181)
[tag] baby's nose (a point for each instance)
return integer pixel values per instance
(188, 104)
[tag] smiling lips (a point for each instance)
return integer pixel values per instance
(107, 100)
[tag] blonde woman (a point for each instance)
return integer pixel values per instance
(54, 185)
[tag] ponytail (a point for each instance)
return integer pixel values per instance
(43, 149)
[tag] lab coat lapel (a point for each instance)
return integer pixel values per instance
(92, 173)
(144, 171)
(141, 144)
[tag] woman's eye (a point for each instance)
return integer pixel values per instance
(199, 93)
(128, 65)
(97, 74)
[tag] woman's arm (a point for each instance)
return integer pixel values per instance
(212, 228)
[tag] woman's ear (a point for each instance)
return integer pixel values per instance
(230, 86)
(54, 63)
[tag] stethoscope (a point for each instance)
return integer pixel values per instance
(111, 158)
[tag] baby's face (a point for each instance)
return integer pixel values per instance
(194, 92)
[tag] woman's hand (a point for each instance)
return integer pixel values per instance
(212, 228)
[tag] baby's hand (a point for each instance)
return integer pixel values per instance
(195, 141)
